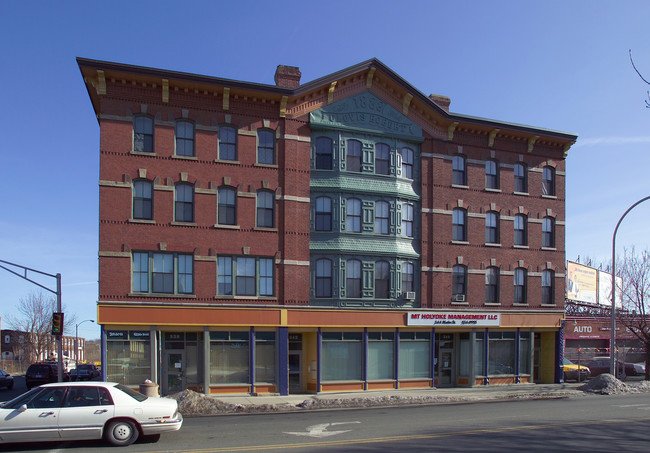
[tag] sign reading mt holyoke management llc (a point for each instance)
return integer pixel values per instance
(423, 318)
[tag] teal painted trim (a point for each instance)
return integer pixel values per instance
(366, 113)
(356, 183)
(363, 245)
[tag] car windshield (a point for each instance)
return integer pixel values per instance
(566, 361)
(132, 393)
(85, 367)
(41, 369)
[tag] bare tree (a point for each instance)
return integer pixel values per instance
(34, 318)
(634, 269)
(647, 102)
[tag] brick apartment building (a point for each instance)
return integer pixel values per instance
(25, 347)
(348, 233)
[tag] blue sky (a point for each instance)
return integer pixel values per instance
(560, 65)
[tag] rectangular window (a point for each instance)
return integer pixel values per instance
(184, 138)
(407, 220)
(143, 134)
(128, 361)
(381, 355)
(163, 273)
(227, 143)
(229, 354)
(342, 356)
(265, 147)
(265, 357)
(224, 275)
(501, 358)
(479, 354)
(414, 355)
(251, 276)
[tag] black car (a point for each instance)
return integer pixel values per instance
(6, 380)
(42, 373)
(84, 372)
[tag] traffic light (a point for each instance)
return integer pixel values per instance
(57, 323)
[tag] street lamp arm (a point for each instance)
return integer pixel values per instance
(612, 358)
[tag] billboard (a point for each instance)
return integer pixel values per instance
(581, 283)
(605, 289)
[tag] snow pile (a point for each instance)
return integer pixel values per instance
(606, 384)
(193, 404)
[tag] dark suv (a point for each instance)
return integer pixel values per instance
(42, 373)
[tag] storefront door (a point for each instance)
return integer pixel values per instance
(173, 371)
(446, 367)
(295, 363)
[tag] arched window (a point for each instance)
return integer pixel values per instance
(323, 278)
(407, 162)
(143, 134)
(407, 277)
(459, 283)
(265, 146)
(492, 285)
(492, 227)
(548, 293)
(521, 178)
(265, 209)
(491, 174)
(353, 216)
(323, 214)
(323, 153)
(548, 181)
(382, 159)
(382, 280)
(184, 138)
(459, 173)
(227, 143)
(353, 156)
(548, 232)
(227, 206)
(521, 230)
(353, 279)
(520, 285)
(184, 205)
(381, 217)
(459, 226)
(143, 199)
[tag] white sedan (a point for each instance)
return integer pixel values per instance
(86, 410)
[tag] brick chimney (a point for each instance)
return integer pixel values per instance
(287, 76)
(441, 101)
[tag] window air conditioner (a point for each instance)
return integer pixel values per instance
(458, 298)
(410, 295)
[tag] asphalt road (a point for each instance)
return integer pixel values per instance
(591, 423)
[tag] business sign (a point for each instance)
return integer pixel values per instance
(581, 283)
(605, 290)
(425, 318)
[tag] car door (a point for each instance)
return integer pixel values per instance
(85, 411)
(36, 418)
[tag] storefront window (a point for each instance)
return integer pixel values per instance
(341, 355)
(265, 357)
(465, 358)
(229, 358)
(501, 350)
(414, 355)
(479, 354)
(381, 355)
(128, 357)
(524, 353)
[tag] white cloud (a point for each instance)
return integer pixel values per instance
(611, 141)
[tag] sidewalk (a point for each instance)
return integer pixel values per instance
(194, 404)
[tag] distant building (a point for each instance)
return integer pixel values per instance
(348, 233)
(27, 348)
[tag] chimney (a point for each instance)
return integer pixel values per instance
(441, 101)
(287, 76)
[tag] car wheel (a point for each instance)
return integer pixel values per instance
(121, 433)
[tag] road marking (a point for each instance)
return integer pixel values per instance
(321, 430)
(631, 405)
(374, 440)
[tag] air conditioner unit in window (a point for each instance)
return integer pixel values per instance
(409, 295)
(458, 298)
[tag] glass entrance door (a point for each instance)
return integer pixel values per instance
(446, 367)
(174, 372)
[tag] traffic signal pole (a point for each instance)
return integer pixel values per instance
(59, 338)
